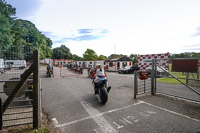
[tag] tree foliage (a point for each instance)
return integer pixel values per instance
(185, 55)
(76, 57)
(102, 57)
(19, 36)
(134, 57)
(90, 55)
(62, 52)
(6, 38)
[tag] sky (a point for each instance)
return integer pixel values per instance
(116, 26)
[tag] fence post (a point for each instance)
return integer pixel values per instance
(187, 77)
(36, 92)
(144, 86)
(1, 115)
(135, 84)
(198, 71)
(153, 78)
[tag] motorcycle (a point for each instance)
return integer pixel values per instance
(49, 73)
(101, 89)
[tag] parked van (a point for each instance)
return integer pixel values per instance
(15, 63)
(1, 63)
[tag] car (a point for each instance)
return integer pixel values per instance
(160, 72)
(128, 69)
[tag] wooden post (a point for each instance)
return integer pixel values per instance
(36, 92)
(1, 115)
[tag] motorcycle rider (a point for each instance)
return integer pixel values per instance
(89, 70)
(50, 67)
(97, 74)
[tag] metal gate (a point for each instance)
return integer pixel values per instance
(141, 86)
(20, 95)
(164, 82)
(182, 85)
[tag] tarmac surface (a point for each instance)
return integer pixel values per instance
(73, 108)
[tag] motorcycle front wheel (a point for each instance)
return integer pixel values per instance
(49, 74)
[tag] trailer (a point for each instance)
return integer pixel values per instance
(15, 63)
(46, 61)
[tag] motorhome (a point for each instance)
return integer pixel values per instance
(15, 63)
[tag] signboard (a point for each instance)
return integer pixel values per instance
(145, 61)
(144, 74)
(185, 65)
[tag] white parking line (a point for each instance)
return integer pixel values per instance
(104, 126)
(96, 115)
(172, 112)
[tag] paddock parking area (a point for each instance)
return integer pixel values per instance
(137, 117)
(72, 106)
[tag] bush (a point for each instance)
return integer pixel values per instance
(42, 130)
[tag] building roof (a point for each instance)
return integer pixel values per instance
(122, 58)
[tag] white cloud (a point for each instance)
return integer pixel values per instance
(135, 26)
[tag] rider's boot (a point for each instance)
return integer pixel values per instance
(95, 89)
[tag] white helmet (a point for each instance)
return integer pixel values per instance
(98, 65)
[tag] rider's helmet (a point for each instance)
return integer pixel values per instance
(98, 65)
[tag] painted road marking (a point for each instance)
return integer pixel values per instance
(172, 112)
(104, 126)
(55, 121)
(98, 115)
(130, 120)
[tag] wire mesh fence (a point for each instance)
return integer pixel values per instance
(179, 84)
(163, 81)
(14, 62)
(193, 79)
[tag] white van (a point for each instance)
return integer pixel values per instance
(16, 63)
(1, 63)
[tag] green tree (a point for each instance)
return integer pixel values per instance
(185, 55)
(134, 57)
(26, 35)
(196, 55)
(76, 57)
(6, 38)
(62, 52)
(102, 57)
(90, 55)
(18, 38)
